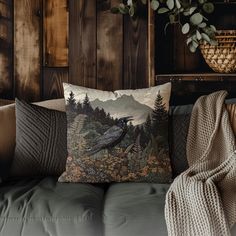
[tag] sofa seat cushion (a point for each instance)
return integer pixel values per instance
(46, 207)
(135, 209)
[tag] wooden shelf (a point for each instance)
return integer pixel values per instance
(199, 74)
(204, 77)
(225, 3)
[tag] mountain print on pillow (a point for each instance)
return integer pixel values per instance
(114, 137)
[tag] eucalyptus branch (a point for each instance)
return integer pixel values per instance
(190, 14)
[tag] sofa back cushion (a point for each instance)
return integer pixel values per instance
(8, 131)
(178, 131)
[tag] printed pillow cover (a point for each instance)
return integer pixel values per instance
(117, 137)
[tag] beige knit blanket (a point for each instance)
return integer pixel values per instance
(202, 200)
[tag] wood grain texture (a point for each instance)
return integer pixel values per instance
(82, 43)
(135, 50)
(56, 18)
(163, 46)
(27, 56)
(6, 81)
(151, 46)
(53, 79)
(183, 59)
(109, 46)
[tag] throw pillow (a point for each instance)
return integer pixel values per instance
(41, 147)
(117, 137)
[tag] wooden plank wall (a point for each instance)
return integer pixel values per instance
(27, 49)
(46, 42)
(6, 16)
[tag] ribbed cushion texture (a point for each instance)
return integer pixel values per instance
(179, 124)
(41, 146)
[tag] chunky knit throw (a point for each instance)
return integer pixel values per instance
(202, 200)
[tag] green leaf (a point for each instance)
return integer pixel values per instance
(208, 7)
(189, 11)
(172, 18)
(115, 10)
(130, 2)
(155, 4)
(189, 40)
(199, 36)
(206, 37)
(195, 44)
(194, 37)
(209, 31)
(170, 4)
(162, 10)
(201, 1)
(177, 3)
(202, 25)
(192, 9)
(131, 11)
(185, 28)
(192, 48)
(123, 9)
(144, 1)
(213, 28)
(196, 19)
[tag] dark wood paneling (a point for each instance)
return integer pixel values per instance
(106, 51)
(6, 82)
(109, 46)
(151, 45)
(53, 79)
(164, 45)
(135, 50)
(55, 33)
(27, 49)
(82, 42)
(183, 59)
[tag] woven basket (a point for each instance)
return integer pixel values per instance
(221, 58)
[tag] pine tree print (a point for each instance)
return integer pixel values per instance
(87, 109)
(71, 102)
(159, 117)
(148, 124)
(79, 107)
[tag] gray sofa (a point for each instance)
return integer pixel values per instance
(45, 207)
(42, 206)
